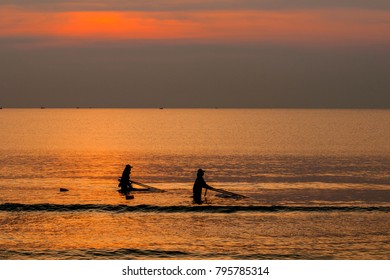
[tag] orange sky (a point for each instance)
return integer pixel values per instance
(291, 26)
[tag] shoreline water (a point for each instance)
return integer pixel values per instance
(317, 180)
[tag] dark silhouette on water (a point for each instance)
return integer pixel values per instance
(198, 186)
(125, 183)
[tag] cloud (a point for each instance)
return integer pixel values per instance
(321, 27)
(195, 76)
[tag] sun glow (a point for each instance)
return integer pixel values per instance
(298, 26)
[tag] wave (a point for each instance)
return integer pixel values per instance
(17, 207)
(88, 254)
(138, 254)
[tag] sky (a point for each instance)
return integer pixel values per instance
(195, 53)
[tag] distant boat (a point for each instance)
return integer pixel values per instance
(161, 108)
(42, 107)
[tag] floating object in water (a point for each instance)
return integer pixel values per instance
(63, 190)
(128, 197)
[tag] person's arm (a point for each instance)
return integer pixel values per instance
(205, 184)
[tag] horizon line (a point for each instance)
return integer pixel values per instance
(216, 107)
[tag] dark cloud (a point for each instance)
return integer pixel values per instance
(158, 75)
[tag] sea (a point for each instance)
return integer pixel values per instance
(316, 184)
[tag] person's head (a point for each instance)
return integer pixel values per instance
(128, 167)
(200, 172)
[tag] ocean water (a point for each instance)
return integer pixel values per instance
(317, 184)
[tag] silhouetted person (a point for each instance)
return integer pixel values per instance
(198, 186)
(125, 183)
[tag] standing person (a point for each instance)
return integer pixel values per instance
(125, 183)
(198, 185)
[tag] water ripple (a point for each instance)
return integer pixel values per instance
(17, 207)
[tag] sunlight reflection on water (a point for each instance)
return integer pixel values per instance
(288, 158)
